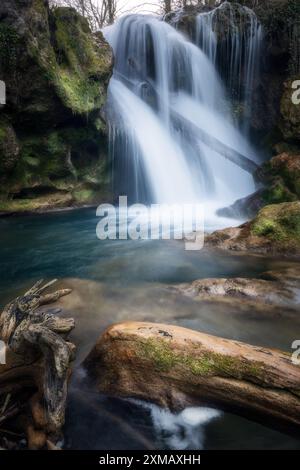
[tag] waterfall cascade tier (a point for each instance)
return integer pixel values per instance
(231, 36)
(161, 83)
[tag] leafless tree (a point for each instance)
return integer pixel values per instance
(98, 12)
(167, 6)
(170, 5)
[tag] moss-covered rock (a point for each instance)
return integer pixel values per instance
(279, 222)
(275, 229)
(282, 178)
(290, 114)
(83, 62)
(40, 203)
(56, 72)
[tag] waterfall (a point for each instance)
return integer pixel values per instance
(163, 89)
(231, 36)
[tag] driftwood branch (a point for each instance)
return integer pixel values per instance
(38, 360)
(176, 367)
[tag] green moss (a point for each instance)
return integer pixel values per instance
(159, 353)
(46, 202)
(42, 158)
(268, 228)
(83, 196)
(81, 64)
(279, 222)
(71, 66)
(278, 193)
(204, 363)
(78, 93)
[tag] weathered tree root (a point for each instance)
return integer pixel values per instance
(37, 362)
(176, 367)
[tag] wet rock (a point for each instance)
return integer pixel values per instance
(175, 367)
(244, 289)
(281, 179)
(243, 208)
(282, 175)
(56, 73)
(275, 230)
(264, 295)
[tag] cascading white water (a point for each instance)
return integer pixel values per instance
(162, 86)
(231, 36)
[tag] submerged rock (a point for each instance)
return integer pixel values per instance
(265, 294)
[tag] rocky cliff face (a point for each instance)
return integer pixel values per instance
(52, 131)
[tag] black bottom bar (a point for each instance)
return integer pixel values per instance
(138, 459)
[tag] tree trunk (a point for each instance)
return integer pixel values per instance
(167, 6)
(33, 380)
(176, 367)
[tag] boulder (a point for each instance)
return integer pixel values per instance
(175, 367)
(275, 230)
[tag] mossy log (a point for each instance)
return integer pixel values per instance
(33, 380)
(176, 367)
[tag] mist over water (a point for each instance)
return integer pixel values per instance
(165, 93)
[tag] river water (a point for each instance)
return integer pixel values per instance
(116, 280)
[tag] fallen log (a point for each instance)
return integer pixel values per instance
(231, 154)
(33, 380)
(175, 367)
